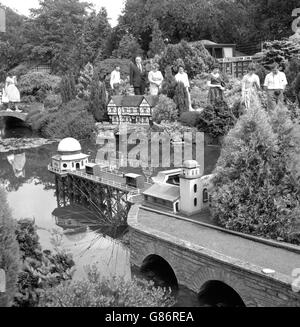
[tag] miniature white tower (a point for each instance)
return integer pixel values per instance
(191, 192)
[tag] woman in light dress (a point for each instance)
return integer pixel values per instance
(182, 77)
(11, 91)
(155, 78)
(250, 86)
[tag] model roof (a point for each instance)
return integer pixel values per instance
(163, 191)
(133, 100)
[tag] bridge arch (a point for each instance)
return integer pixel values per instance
(156, 267)
(207, 281)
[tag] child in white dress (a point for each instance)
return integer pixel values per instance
(250, 86)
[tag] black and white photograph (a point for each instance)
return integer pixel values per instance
(150, 157)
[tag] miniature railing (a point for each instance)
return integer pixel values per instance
(106, 181)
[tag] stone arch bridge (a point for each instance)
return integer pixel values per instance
(200, 255)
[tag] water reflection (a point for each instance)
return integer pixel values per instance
(17, 161)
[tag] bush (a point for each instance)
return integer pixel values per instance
(165, 110)
(35, 86)
(256, 183)
(41, 269)
(52, 100)
(216, 120)
(189, 118)
(71, 120)
(68, 120)
(195, 58)
(100, 292)
(9, 252)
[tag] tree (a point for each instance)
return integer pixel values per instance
(195, 58)
(67, 88)
(55, 33)
(100, 292)
(157, 45)
(165, 110)
(9, 252)
(84, 81)
(256, 183)
(181, 98)
(98, 99)
(128, 48)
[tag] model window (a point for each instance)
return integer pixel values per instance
(205, 195)
(65, 165)
(195, 188)
(195, 202)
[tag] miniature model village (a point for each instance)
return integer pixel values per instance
(182, 190)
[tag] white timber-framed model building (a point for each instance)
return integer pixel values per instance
(131, 109)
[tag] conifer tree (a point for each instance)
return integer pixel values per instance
(157, 44)
(98, 99)
(67, 88)
(255, 191)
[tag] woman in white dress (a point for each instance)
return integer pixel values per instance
(250, 86)
(12, 91)
(155, 78)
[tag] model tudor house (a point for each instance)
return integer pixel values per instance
(131, 109)
(181, 190)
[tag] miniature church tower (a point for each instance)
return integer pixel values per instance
(191, 188)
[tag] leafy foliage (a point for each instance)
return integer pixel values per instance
(128, 47)
(9, 251)
(257, 176)
(165, 110)
(41, 269)
(100, 292)
(35, 86)
(189, 118)
(68, 120)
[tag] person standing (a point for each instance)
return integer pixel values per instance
(115, 80)
(182, 77)
(275, 84)
(155, 78)
(12, 92)
(138, 76)
(250, 86)
(216, 86)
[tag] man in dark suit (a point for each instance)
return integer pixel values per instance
(138, 76)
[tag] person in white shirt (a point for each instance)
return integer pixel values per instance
(183, 78)
(275, 84)
(115, 80)
(250, 86)
(155, 78)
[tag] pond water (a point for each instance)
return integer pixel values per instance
(31, 194)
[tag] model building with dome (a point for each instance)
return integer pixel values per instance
(69, 156)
